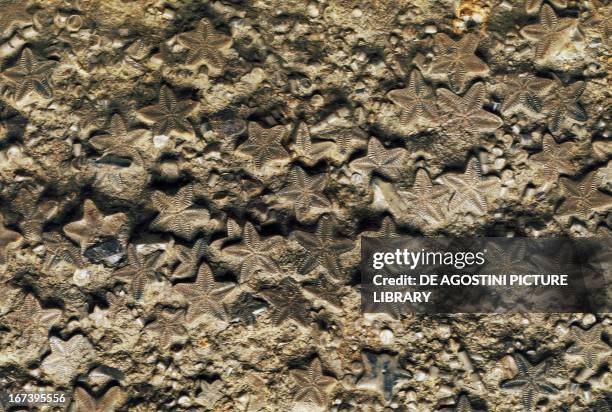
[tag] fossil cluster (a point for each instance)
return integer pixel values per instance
(184, 185)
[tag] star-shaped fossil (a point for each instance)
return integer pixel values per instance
(96, 114)
(95, 225)
(119, 141)
(32, 318)
(312, 385)
(322, 248)
(325, 289)
(288, 302)
(189, 259)
(264, 145)
(307, 151)
(588, 344)
(582, 197)
(600, 21)
(169, 115)
(523, 93)
(464, 114)
(9, 239)
(167, 326)
(533, 6)
(138, 272)
(346, 141)
(205, 45)
(386, 163)
(35, 213)
(469, 190)
(205, 295)
(563, 104)
(13, 14)
(456, 60)
(463, 405)
(233, 229)
(245, 308)
(176, 214)
(548, 33)
(602, 149)
(388, 228)
(554, 159)
(66, 358)
(502, 259)
(30, 74)
(381, 373)
(306, 193)
(424, 200)
(117, 305)
(57, 249)
(600, 405)
(109, 402)
(531, 380)
(211, 393)
(253, 253)
(417, 101)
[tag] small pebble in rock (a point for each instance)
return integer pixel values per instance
(386, 336)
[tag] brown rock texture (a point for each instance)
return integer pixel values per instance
(184, 185)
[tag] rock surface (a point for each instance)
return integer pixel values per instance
(184, 185)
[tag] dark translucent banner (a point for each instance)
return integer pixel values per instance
(485, 275)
